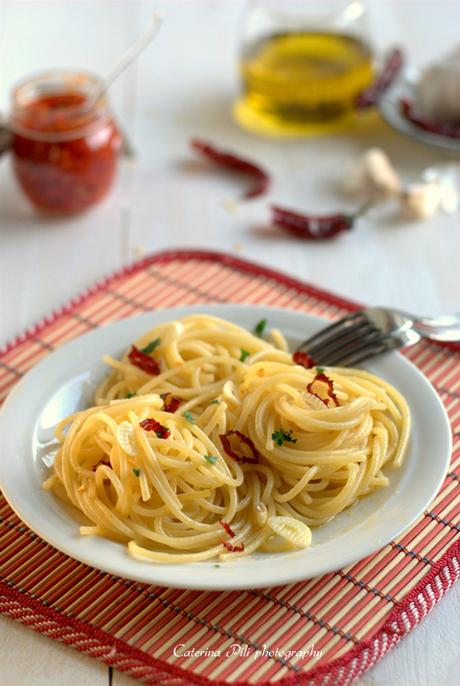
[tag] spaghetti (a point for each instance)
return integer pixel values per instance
(219, 453)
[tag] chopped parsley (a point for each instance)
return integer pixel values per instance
(260, 327)
(189, 417)
(214, 402)
(136, 472)
(319, 370)
(130, 394)
(244, 354)
(151, 346)
(212, 459)
(280, 436)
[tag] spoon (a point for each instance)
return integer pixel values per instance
(134, 50)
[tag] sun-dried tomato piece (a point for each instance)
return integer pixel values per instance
(233, 548)
(143, 361)
(231, 161)
(226, 526)
(152, 425)
(171, 402)
(304, 359)
(225, 438)
(323, 378)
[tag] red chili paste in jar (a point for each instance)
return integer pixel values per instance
(65, 148)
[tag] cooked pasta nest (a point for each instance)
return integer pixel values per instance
(228, 449)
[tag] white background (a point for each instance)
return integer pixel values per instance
(184, 86)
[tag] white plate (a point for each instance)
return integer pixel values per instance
(389, 108)
(63, 383)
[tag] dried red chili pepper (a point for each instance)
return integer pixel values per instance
(171, 402)
(225, 438)
(304, 359)
(390, 69)
(152, 425)
(233, 548)
(231, 161)
(312, 227)
(143, 361)
(442, 129)
(227, 528)
(330, 389)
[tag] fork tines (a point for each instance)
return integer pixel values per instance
(347, 341)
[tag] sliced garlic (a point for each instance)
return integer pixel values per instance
(126, 438)
(296, 532)
(261, 514)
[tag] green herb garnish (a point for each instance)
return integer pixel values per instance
(280, 436)
(151, 346)
(136, 472)
(319, 370)
(130, 395)
(212, 459)
(244, 354)
(189, 417)
(214, 402)
(260, 327)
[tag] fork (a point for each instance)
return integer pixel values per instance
(370, 332)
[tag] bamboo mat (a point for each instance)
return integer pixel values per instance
(326, 630)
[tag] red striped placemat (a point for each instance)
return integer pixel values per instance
(326, 630)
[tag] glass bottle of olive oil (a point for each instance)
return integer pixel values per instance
(301, 81)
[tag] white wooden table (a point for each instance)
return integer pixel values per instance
(182, 87)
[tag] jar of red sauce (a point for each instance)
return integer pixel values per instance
(65, 145)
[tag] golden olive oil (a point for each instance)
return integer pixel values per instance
(302, 82)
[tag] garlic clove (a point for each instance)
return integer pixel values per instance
(373, 174)
(421, 200)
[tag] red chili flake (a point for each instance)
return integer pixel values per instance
(225, 438)
(143, 361)
(227, 528)
(304, 359)
(323, 378)
(231, 161)
(171, 402)
(312, 227)
(440, 128)
(391, 68)
(233, 548)
(152, 425)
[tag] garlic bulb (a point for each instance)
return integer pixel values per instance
(437, 92)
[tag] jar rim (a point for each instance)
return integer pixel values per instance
(56, 82)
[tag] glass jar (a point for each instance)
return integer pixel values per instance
(65, 146)
(302, 65)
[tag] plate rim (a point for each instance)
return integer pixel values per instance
(235, 584)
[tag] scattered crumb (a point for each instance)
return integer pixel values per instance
(81, 488)
(238, 247)
(230, 205)
(261, 372)
(138, 250)
(294, 165)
